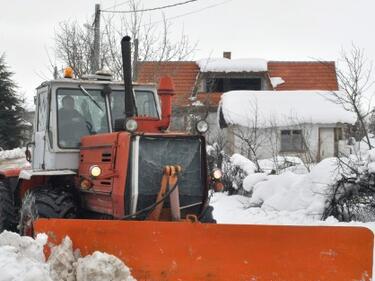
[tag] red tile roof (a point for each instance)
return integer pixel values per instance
(304, 75)
(183, 74)
(297, 76)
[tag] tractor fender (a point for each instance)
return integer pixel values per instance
(29, 179)
(9, 173)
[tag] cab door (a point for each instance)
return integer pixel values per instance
(41, 120)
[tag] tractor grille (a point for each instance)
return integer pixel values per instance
(157, 152)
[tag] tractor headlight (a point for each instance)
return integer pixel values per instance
(217, 174)
(131, 125)
(201, 126)
(95, 171)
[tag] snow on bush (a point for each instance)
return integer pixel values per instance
(232, 65)
(12, 154)
(243, 163)
(289, 191)
(22, 259)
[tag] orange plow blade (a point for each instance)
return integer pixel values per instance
(193, 251)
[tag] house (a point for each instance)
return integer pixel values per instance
(266, 124)
(200, 84)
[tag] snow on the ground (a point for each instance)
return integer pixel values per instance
(22, 259)
(232, 65)
(282, 108)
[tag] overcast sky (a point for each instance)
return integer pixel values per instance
(270, 29)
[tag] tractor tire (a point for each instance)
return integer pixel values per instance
(45, 202)
(8, 214)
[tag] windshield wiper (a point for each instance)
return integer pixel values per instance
(90, 96)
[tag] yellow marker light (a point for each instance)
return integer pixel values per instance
(68, 72)
(95, 171)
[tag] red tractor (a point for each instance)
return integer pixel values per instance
(107, 172)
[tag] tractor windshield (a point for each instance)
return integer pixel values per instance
(145, 102)
(79, 114)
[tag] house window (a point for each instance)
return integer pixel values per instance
(229, 84)
(292, 141)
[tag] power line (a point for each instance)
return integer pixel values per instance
(117, 5)
(151, 9)
(189, 13)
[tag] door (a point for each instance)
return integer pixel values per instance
(40, 131)
(326, 143)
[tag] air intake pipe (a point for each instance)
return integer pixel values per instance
(130, 107)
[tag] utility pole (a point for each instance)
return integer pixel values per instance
(96, 50)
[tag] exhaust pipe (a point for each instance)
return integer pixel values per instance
(130, 108)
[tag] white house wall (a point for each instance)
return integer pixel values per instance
(269, 140)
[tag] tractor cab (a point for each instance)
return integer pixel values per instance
(68, 109)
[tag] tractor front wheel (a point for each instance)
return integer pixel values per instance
(45, 202)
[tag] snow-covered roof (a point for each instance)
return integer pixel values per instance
(282, 108)
(232, 65)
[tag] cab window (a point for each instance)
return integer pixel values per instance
(78, 115)
(144, 100)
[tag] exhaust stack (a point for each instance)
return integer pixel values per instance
(130, 108)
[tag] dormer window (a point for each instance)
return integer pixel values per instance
(229, 84)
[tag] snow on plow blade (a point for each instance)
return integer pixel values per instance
(193, 251)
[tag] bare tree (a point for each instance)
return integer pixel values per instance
(355, 78)
(74, 43)
(252, 136)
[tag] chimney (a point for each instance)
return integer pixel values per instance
(227, 55)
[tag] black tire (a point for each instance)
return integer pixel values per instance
(8, 214)
(45, 202)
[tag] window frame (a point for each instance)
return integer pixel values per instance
(57, 113)
(296, 148)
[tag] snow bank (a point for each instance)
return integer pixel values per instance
(101, 266)
(232, 65)
(22, 259)
(282, 108)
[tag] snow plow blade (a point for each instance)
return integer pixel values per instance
(194, 251)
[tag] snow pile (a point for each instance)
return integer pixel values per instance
(289, 191)
(22, 258)
(276, 81)
(101, 266)
(251, 180)
(12, 154)
(232, 65)
(282, 108)
(62, 261)
(243, 163)
(284, 163)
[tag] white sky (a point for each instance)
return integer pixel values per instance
(270, 29)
